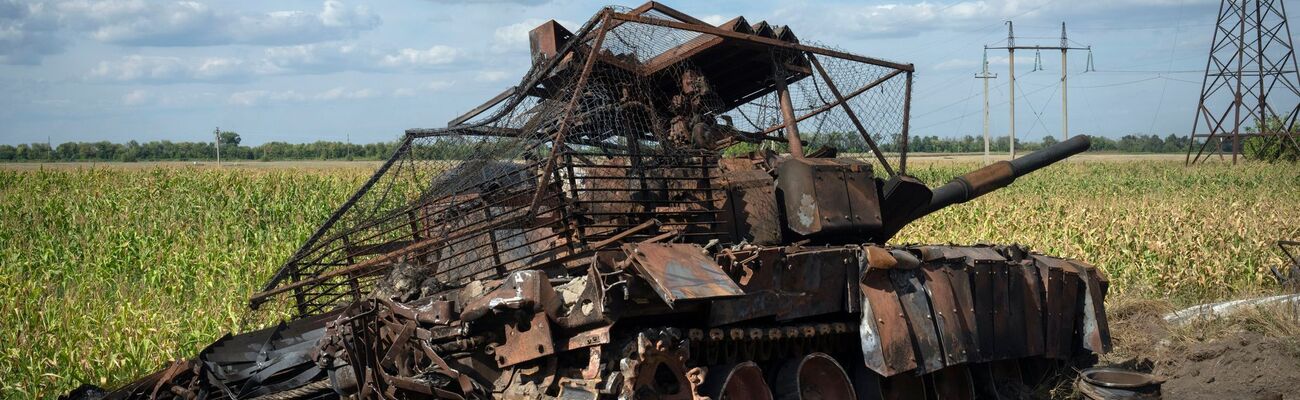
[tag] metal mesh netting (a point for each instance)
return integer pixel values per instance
(591, 149)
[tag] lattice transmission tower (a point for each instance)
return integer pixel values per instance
(1251, 87)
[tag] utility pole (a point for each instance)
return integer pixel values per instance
(1064, 47)
(1011, 52)
(217, 134)
(985, 75)
(1065, 99)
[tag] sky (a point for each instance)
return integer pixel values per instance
(301, 71)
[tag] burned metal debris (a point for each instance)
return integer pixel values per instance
(591, 241)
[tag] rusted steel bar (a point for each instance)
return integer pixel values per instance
(907, 113)
(362, 266)
(483, 107)
(578, 88)
(760, 39)
(833, 104)
(624, 234)
(311, 242)
(381, 233)
(853, 117)
(787, 110)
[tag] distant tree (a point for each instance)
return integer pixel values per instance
(1272, 147)
(228, 138)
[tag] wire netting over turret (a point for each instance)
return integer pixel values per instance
(614, 136)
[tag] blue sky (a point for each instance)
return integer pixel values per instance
(299, 71)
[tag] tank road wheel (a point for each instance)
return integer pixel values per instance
(814, 377)
(654, 367)
(742, 381)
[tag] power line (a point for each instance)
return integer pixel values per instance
(1024, 93)
(1189, 71)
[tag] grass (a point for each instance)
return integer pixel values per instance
(107, 273)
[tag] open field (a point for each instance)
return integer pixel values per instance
(107, 273)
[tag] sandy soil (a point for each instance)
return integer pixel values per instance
(1243, 366)
(1252, 356)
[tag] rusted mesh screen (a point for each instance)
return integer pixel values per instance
(593, 148)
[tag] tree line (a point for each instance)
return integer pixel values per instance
(1134, 143)
(166, 150)
(456, 148)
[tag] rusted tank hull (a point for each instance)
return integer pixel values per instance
(899, 321)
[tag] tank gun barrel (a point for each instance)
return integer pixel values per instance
(997, 175)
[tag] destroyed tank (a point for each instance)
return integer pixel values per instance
(638, 219)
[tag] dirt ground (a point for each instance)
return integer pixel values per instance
(1252, 355)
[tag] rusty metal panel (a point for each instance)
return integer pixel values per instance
(852, 293)
(1070, 305)
(932, 253)
(886, 342)
(1055, 319)
(975, 254)
(981, 276)
(811, 282)
(546, 39)
(912, 296)
(950, 318)
(1015, 336)
(752, 305)
(1033, 309)
(1001, 310)
(751, 202)
(681, 272)
(1093, 330)
(818, 199)
(960, 278)
(525, 340)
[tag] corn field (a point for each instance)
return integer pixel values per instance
(106, 274)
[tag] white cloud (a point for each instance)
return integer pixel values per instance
(413, 58)
(152, 98)
(301, 59)
(715, 19)
(491, 76)
(255, 97)
(433, 86)
(957, 63)
(318, 58)
(332, 57)
(159, 69)
(31, 30)
(524, 2)
(189, 23)
(28, 33)
(135, 97)
(259, 97)
(439, 85)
